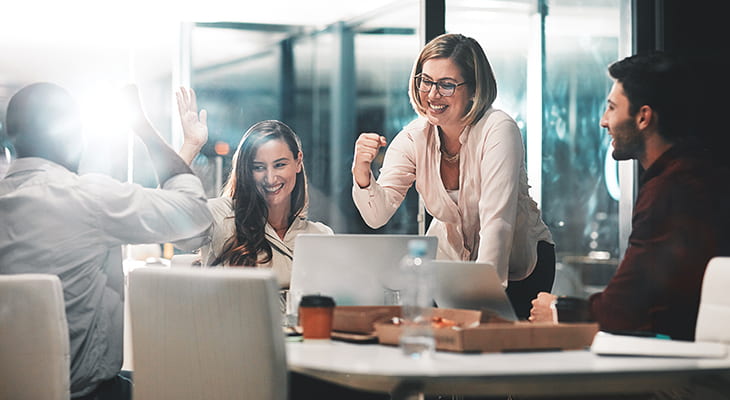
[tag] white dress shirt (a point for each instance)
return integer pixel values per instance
(57, 222)
(494, 219)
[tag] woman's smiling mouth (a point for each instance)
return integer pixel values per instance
(273, 188)
(437, 108)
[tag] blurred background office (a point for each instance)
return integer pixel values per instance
(332, 69)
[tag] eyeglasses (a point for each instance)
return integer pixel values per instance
(445, 88)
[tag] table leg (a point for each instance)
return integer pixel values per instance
(407, 390)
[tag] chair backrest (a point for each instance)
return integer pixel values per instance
(209, 333)
(34, 344)
(713, 318)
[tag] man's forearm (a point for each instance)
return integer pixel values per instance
(165, 160)
(188, 152)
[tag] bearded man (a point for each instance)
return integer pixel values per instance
(680, 220)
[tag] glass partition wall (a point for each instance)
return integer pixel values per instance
(580, 178)
(330, 84)
(550, 60)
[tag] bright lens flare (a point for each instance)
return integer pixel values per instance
(105, 114)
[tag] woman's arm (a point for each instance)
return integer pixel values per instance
(379, 201)
(367, 147)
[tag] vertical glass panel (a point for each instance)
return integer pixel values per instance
(577, 184)
(580, 184)
(236, 76)
(385, 48)
(313, 67)
(244, 73)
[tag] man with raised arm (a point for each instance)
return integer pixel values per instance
(58, 222)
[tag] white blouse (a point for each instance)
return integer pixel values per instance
(494, 220)
(224, 226)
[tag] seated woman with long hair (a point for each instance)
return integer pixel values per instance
(263, 205)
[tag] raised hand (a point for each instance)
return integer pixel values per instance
(366, 149)
(194, 124)
(164, 160)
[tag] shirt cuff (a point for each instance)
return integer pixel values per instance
(188, 183)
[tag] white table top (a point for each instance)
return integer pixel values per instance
(385, 369)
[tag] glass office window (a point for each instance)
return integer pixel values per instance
(235, 74)
(312, 70)
(244, 73)
(330, 84)
(386, 46)
(580, 182)
(563, 47)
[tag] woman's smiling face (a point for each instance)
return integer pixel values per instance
(275, 172)
(443, 111)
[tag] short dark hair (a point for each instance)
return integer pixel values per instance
(43, 120)
(659, 81)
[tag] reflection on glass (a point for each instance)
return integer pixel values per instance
(385, 58)
(579, 208)
(301, 74)
(235, 76)
(578, 182)
(253, 72)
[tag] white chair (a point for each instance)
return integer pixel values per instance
(206, 334)
(713, 318)
(34, 344)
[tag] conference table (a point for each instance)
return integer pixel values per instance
(385, 369)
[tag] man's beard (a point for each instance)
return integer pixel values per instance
(628, 141)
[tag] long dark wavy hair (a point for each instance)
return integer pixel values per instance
(249, 206)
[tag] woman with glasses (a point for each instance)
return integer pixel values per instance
(467, 161)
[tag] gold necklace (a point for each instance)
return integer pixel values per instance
(449, 158)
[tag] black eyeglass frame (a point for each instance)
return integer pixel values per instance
(439, 85)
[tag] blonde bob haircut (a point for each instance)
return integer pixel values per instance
(468, 55)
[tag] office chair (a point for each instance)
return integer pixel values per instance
(34, 344)
(206, 334)
(713, 318)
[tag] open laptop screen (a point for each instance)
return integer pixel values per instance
(471, 285)
(354, 269)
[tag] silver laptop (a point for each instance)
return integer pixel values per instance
(471, 285)
(352, 269)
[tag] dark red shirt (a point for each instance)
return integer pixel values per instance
(680, 222)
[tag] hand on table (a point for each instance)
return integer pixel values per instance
(543, 308)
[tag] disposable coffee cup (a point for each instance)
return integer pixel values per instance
(315, 316)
